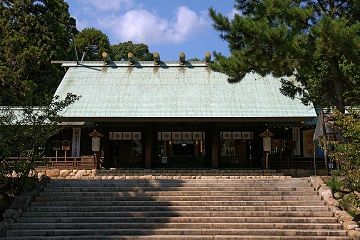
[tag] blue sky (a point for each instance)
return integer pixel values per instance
(166, 26)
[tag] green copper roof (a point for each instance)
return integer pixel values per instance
(146, 91)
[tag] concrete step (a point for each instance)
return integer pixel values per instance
(159, 231)
(245, 212)
(186, 219)
(187, 237)
(105, 199)
(147, 225)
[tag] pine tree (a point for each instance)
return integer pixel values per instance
(92, 42)
(140, 50)
(315, 41)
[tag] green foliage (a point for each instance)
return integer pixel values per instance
(93, 43)
(335, 184)
(24, 132)
(32, 33)
(120, 51)
(347, 150)
(317, 42)
(351, 203)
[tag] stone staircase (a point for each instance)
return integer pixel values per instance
(249, 208)
(183, 173)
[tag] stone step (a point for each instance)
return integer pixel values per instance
(162, 204)
(263, 208)
(193, 207)
(177, 175)
(105, 199)
(147, 225)
(184, 176)
(187, 169)
(176, 181)
(228, 185)
(179, 193)
(183, 183)
(187, 237)
(247, 212)
(145, 220)
(193, 188)
(159, 231)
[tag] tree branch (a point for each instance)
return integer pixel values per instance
(321, 5)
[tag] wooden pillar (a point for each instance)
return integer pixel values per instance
(214, 148)
(97, 160)
(148, 148)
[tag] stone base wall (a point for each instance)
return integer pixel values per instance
(66, 173)
(165, 173)
(303, 172)
(156, 174)
(345, 218)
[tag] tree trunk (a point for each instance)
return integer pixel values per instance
(338, 85)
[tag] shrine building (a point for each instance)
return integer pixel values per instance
(180, 114)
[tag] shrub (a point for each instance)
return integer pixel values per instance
(346, 151)
(335, 184)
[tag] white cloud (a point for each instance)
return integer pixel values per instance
(107, 5)
(144, 26)
(232, 13)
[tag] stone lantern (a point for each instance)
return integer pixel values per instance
(95, 146)
(266, 146)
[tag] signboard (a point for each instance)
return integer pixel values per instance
(76, 142)
(56, 145)
(65, 145)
